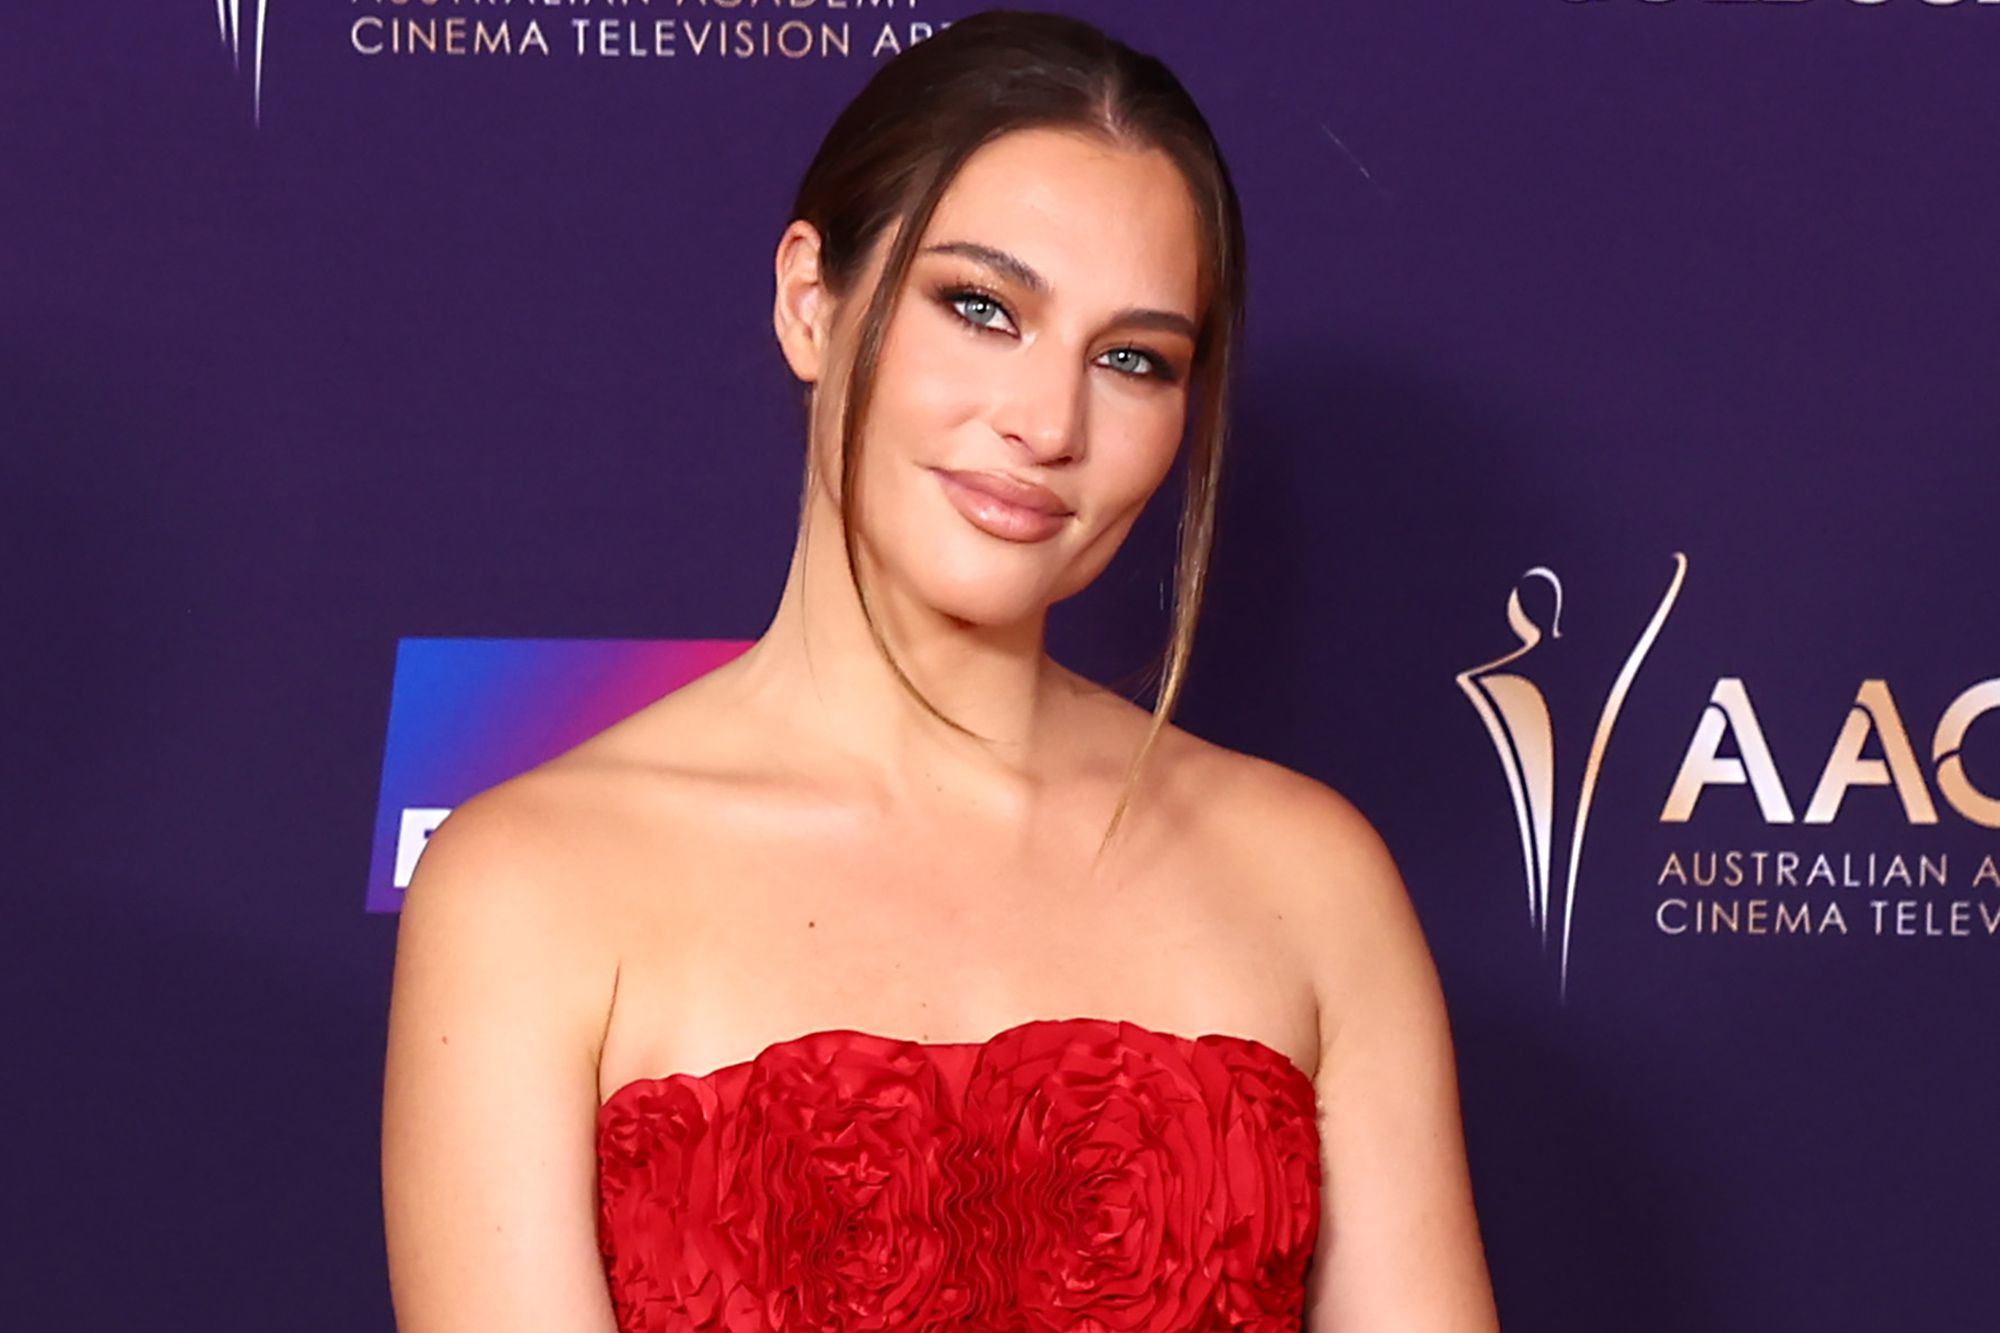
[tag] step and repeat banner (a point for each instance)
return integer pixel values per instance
(390, 401)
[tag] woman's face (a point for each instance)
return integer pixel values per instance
(1045, 337)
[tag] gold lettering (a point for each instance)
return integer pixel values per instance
(1957, 788)
(1874, 710)
(1728, 712)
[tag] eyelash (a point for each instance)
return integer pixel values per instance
(1162, 370)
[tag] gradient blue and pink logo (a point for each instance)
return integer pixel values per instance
(466, 714)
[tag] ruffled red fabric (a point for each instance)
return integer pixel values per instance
(1082, 1175)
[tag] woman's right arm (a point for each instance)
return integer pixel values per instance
(501, 992)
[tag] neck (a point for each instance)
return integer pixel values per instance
(817, 674)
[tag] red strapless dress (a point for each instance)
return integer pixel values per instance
(1067, 1174)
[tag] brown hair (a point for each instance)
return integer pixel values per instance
(888, 159)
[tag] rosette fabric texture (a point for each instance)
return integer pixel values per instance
(1076, 1175)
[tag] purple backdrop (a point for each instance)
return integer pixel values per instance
(308, 351)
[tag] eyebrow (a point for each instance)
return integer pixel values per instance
(1168, 321)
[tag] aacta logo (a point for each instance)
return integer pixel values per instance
(1874, 714)
(1516, 714)
(229, 19)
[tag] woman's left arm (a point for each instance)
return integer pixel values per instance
(1399, 1245)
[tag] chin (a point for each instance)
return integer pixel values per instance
(982, 593)
(942, 562)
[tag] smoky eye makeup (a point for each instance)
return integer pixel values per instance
(1163, 369)
(956, 295)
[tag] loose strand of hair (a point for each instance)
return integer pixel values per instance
(861, 384)
(1195, 551)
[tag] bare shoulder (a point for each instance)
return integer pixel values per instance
(504, 974)
(553, 842)
(1270, 801)
(1285, 834)
(538, 878)
(1336, 853)
(522, 827)
(1399, 1245)
(514, 861)
(526, 888)
(1329, 872)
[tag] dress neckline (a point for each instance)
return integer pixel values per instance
(1263, 1049)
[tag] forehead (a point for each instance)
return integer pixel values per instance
(1099, 221)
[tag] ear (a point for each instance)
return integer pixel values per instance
(802, 313)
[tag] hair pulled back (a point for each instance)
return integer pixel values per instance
(889, 157)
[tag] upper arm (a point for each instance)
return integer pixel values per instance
(490, 1085)
(1399, 1243)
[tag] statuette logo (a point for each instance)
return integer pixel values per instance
(1516, 714)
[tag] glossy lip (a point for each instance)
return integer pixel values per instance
(1014, 491)
(1003, 506)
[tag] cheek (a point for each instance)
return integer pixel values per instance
(926, 379)
(1138, 444)
(1131, 460)
(924, 387)
(927, 388)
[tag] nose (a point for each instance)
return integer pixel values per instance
(1041, 401)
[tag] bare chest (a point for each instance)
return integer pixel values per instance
(755, 937)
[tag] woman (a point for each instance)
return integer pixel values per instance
(1018, 1007)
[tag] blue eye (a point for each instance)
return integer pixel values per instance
(1132, 361)
(975, 307)
(983, 310)
(1141, 364)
